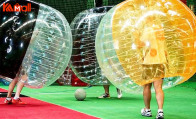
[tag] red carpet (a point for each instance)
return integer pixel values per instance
(36, 109)
(2, 90)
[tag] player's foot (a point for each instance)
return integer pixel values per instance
(119, 93)
(8, 101)
(146, 112)
(18, 101)
(160, 115)
(105, 95)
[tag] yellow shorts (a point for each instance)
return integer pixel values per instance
(152, 71)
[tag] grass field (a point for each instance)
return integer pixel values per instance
(180, 101)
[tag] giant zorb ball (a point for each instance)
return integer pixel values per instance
(35, 41)
(140, 41)
(84, 61)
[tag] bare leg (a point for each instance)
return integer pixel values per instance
(20, 85)
(147, 95)
(11, 87)
(106, 88)
(159, 93)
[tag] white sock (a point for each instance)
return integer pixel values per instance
(160, 110)
(8, 98)
(16, 97)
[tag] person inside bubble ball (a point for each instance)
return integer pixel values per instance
(107, 93)
(154, 59)
(20, 80)
(20, 84)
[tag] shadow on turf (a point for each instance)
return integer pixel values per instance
(4, 94)
(114, 98)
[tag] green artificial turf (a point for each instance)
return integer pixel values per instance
(180, 101)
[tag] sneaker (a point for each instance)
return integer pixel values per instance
(146, 112)
(105, 95)
(160, 115)
(119, 93)
(8, 101)
(18, 101)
